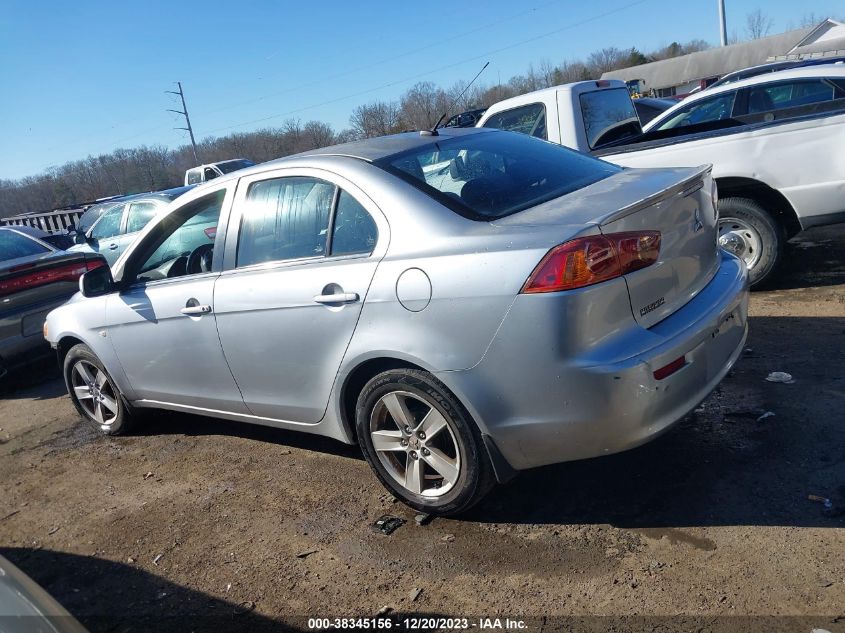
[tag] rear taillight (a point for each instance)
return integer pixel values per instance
(66, 272)
(590, 260)
(211, 232)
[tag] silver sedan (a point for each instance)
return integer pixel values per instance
(463, 305)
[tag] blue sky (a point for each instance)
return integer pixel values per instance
(87, 77)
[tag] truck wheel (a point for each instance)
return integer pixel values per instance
(421, 443)
(748, 231)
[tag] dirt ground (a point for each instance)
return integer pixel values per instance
(197, 524)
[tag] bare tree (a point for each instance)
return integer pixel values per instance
(605, 60)
(757, 24)
(422, 105)
(375, 119)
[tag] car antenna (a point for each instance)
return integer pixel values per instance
(433, 131)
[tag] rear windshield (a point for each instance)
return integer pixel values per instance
(609, 116)
(487, 176)
(14, 245)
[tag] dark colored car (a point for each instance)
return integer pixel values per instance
(62, 241)
(648, 107)
(465, 119)
(35, 277)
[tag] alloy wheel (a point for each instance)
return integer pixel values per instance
(415, 443)
(95, 392)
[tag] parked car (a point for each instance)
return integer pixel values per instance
(770, 140)
(62, 241)
(35, 277)
(465, 119)
(649, 107)
(523, 305)
(204, 173)
(772, 67)
(121, 220)
(92, 214)
(24, 606)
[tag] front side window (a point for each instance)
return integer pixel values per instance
(529, 119)
(609, 116)
(703, 111)
(285, 218)
(109, 223)
(183, 242)
(495, 174)
(14, 245)
(139, 214)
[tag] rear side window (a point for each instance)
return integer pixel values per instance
(139, 215)
(703, 111)
(285, 218)
(609, 116)
(14, 245)
(354, 229)
(494, 174)
(529, 119)
(788, 95)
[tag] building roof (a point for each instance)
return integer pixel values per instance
(826, 38)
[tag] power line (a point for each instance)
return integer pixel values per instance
(385, 60)
(407, 79)
(334, 76)
(436, 70)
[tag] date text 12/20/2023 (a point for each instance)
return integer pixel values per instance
(416, 623)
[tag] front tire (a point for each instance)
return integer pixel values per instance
(94, 393)
(421, 443)
(748, 231)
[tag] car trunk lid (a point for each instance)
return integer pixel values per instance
(686, 218)
(676, 202)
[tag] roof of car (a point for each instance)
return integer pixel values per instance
(808, 72)
(373, 149)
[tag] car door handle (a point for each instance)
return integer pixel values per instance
(112, 247)
(338, 297)
(194, 310)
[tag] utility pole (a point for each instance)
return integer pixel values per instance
(723, 27)
(184, 113)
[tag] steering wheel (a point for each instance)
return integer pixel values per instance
(199, 261)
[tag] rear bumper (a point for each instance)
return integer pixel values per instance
(540, 408)
(21, 335)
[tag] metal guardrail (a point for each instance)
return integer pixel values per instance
(50, 221)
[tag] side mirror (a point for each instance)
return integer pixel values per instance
(97, 282)
(79, 238)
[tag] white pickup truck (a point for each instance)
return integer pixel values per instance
(775, 143)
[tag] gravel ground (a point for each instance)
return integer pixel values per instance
(198, 524)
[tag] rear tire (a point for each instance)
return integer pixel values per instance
(421, 442)
(750, 232)
(94, 394)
